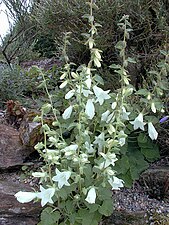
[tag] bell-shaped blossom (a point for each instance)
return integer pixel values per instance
(70, 150)
(88, 81)
(109, 159)
(153, 108)
(63, 84)
(62, 178)
(113, 105)
(162, 120)
(122, 138)
(67, 113)
(46, 195)
(89, 147)
(39, 174)
(84, 91)
(84, 158)
(138, 122)
(116, 183)
(24, 197)
(105, 115)
(90, 109)
(70, 94)
(53, 156)
(125, 114)
(152, 131)
(110, 118)
(91, 196)
(101, 94)
(100, 140)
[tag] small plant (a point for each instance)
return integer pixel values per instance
(12, 83)
(79, 171)
(15, 85)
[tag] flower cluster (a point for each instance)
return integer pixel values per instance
(80, 170)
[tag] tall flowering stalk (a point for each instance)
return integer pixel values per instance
(78, 175)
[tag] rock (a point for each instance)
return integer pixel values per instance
(29, 131)
(45, 64)
(12, 220)
(126, 218)
(156, 182)
(146, 202)
(12, 152)
(13, 212)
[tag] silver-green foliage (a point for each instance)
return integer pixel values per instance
(79, 171)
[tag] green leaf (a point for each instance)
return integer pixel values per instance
(115, 66)
(24, 168)
(131, 60)
(88, 173)
(99, 79)
(143, 92)
(46, 108)
(49, 217)
(106, 208)
(45, 127)
(137, 164)
(104, 193)
(92, 207)
(142, 138)
(91, 218)
(128, 181)
(87, 218)
(69, 207)
(120, 45)
(122, 165)
(151, 154)
(62, 193)
(42, 84)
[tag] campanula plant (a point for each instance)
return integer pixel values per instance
(79, 174)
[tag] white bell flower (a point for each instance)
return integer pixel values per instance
(24, 197)
(39, 174)
(101, 94)
(63, 84)
(100, 141)
(46, 195)
(89, 147)
(70, 94)
(70, 150)
(110, 159)
(67, 113)
(62, 178)
(116, 183)
(125, 114)
(90, 109)
(153, 108)
(152, 131)
(138, 122)
(91, 196)
(105, 115)
(122, 138)
(114, 104)
(84, 91)
(88, 81)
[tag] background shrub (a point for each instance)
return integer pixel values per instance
(149, 21)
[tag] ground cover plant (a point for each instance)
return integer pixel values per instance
(83, 167)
